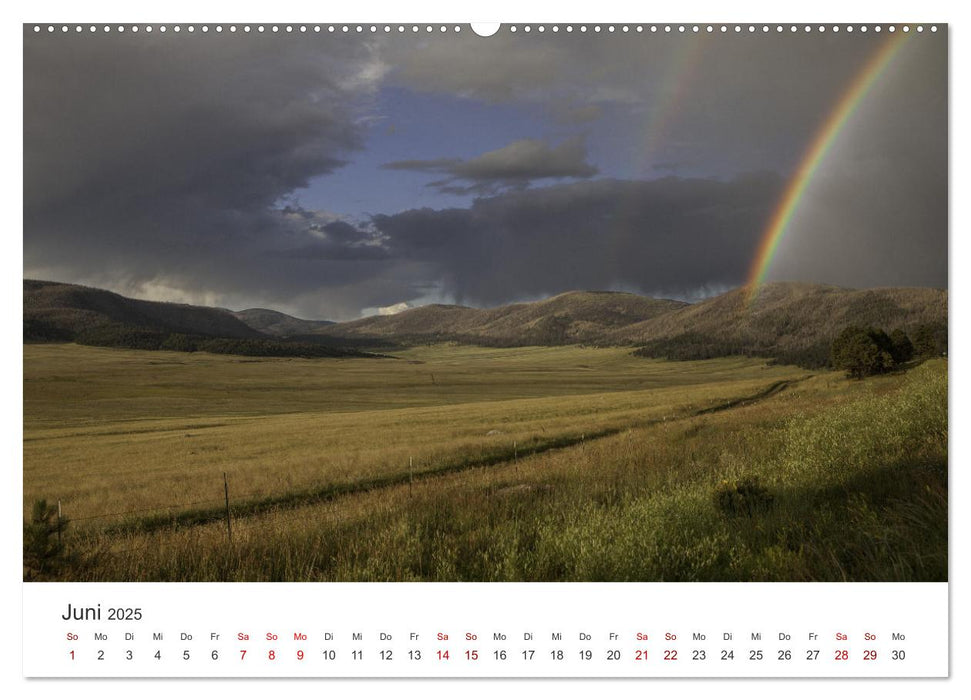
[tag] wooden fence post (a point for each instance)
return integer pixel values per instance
(229, 525)
(59, 523)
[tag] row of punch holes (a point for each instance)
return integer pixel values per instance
(428, 28)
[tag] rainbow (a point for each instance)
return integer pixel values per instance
(814, 155)
(672, 94)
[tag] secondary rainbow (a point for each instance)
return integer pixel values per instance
(820, 145)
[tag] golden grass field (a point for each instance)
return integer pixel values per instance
(466, 463)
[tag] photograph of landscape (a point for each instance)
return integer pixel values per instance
(564, 303)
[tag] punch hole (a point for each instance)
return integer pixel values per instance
(485, 29)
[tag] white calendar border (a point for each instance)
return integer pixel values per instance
(508, 10)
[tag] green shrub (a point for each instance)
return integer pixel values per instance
(744, 496)
(43, 549)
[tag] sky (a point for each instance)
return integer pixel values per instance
(332, 175)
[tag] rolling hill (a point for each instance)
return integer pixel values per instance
(794, 321)
(279, 324)
(56, 312)
(65, 310)
(572, 317)
(790, 322)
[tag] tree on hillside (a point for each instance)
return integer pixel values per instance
(902, 350)
(862, 352)
(930, 341)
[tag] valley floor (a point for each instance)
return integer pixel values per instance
(465, 463)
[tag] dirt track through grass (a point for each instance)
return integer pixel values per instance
(246, 508)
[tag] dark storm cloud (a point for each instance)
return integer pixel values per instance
(167, 166)
(876, 212)
(736, 102)
(670, 234)
(515, 165)
(331, 239)
(157, 162)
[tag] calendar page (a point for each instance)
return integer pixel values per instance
(518, 350)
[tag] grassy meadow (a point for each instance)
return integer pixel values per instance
(466, 463)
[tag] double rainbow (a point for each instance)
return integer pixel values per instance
(814, 155)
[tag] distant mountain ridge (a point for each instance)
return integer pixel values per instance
(571, 317)
(69, 309)
(278, 324)
(787, 320)
(791, 322)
